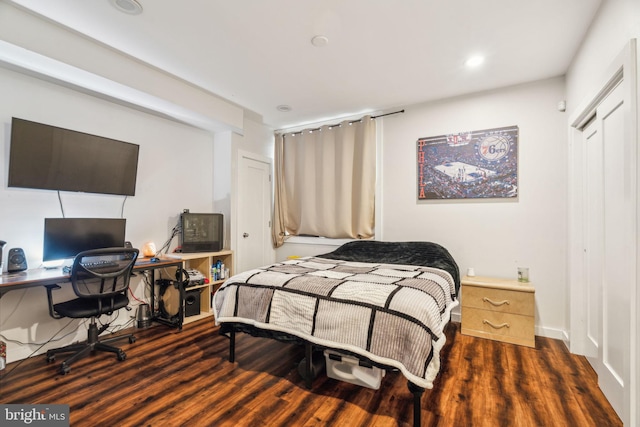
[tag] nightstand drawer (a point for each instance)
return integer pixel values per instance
(500, 326)
(498, 309)
(500, 300)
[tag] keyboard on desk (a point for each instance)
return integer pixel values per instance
(98, 264)
(93, 265)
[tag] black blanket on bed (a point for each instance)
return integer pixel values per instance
(407, 253)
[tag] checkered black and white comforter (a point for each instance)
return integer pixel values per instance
(391, 314)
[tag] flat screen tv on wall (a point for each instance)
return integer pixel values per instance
(52, 158)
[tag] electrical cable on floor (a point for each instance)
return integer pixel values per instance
(117, 328)
(50, 340)
(107, 325)
(15, 306)
(40, 346)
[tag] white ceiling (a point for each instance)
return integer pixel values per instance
(382, 54)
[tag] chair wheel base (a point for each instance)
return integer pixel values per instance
(81, 350)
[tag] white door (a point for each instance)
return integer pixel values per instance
(593, 235)
(608, 246)
(254, 212)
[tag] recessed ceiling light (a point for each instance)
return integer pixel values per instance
(474, 61)
(319, 41)
(284, 108)
(132, 7)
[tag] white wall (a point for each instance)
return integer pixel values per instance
(617, 22)
(174, 172)
(493, 236)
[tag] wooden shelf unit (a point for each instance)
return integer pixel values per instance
(498, 309)
(202, 261)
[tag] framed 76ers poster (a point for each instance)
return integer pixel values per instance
(469, 165)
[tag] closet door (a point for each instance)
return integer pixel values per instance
(593, 235)
(603, 234)
(603, 238)
(609, 223)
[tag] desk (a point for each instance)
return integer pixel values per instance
(42, 277)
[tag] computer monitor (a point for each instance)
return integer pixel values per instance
(66, 237)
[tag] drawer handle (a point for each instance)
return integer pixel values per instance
(497, 304)
(504, 325)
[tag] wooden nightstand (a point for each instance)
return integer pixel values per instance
(498, 309)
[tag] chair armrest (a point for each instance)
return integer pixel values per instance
(52, 312)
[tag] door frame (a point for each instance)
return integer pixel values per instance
(623, 71)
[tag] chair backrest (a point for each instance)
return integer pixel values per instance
(102, 273)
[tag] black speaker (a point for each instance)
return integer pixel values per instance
(128, 245)
(192, 303)
(16, 261)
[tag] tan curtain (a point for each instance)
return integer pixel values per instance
(278, 229)
(325, 182)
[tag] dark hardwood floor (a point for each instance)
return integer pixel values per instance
(173, 378)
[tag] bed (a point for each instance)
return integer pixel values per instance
(385, 303)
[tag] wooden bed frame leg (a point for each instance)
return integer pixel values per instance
(417, 395)
(232, 346)
(308, 353)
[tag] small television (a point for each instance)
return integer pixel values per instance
(52, 158)
(201, 232)
(66, 237)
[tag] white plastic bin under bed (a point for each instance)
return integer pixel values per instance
(349, 369)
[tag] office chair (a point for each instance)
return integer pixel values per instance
(100, 279)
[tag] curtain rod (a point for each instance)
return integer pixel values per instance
(338, 124)
(387, 114)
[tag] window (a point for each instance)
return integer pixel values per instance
(325, 182)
